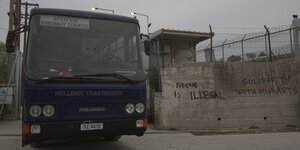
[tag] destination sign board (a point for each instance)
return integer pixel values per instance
(64, 22)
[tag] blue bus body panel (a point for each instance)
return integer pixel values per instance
(83, 100)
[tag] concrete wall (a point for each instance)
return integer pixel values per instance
(217, 96)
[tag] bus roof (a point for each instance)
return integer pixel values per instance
(85, 14)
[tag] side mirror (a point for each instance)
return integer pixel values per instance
(144, 35)
(10, 39)
(147, 46)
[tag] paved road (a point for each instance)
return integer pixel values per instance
(173, 141)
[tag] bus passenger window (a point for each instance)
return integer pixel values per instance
(298, 37)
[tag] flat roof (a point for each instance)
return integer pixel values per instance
(180, 35)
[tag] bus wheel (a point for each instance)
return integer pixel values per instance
(37, 144)
(112, 138)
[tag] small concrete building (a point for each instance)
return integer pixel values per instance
(176, 47)
(170, 48)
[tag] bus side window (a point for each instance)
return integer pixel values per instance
(298, 37)
(132, 49)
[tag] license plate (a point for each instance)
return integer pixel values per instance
(91, 126)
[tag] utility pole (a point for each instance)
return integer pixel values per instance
(17, 16)
(25, 32)
(27, 5)
(11, 15)
(17, 83)
(14, 26)
(15, 20)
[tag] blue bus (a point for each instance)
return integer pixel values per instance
(83, 77)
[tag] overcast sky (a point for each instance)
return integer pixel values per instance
(225, 16)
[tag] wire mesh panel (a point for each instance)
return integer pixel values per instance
(5, 65)
(10, 84)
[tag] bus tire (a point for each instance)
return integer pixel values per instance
(37, 144)
(139, 135)
(112, 138)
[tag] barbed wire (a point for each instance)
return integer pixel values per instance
(281, 41)
(249, 35)
(252, 36)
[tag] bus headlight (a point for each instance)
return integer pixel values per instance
(48, 110)
(35, 110)
(129, 108)
(140, 107)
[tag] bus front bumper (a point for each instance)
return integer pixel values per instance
(42, 131)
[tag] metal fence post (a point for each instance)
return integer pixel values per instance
(223, 50)
(269, 41)
(266, 47)
(291, 40)
(211, 44)
(18, 84)
(242, 42)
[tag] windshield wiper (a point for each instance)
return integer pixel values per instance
(87, 76)
(58, 77)
(116, 75)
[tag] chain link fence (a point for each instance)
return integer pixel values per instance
(252, 47)
(10, 84)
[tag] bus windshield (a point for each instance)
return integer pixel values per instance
(76, 46)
